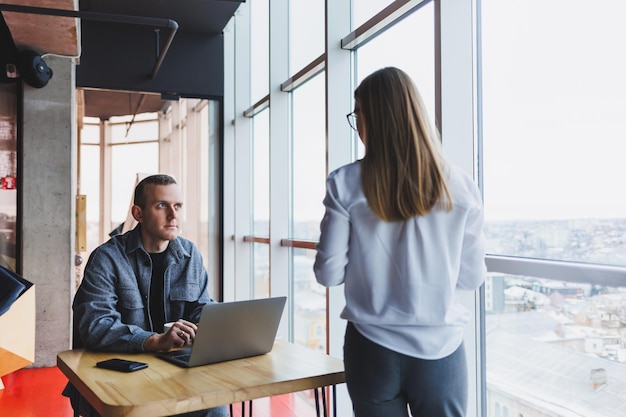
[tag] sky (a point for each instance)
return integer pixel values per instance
(554, 98)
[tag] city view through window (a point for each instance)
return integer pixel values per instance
(554, 348)
(552, 152)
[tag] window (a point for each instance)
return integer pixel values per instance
(309, 159)
(259, 50)
(306, 33)
(543, 339)
(260, 198)
(363, 10)
(211, 197)
(308, 135)
(138, 128)
(553, 130)
(308, 189)
(114, 154)
(419, 64)
(418, 27)
(261, 172)
(90, 178)
(552, 164)
(134, 149)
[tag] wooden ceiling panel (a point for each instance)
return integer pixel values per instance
(106, 103)
(45, 34)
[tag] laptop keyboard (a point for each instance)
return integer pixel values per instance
(183, 354)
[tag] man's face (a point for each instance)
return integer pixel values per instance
(159, 215)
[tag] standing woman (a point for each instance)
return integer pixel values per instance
(403, 231)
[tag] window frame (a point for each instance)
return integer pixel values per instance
(455, 97)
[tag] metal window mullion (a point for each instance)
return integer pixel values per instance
(301, 244)
(280, 157)
(558, 270)
(455, 60)
(242, 148)
(106, 169)
(308, 72)
(257, 107)
(256, 239)
(200, 104)
(339, 151)
(227, 208)
(133, 142)
(386, 18)
(192, 172)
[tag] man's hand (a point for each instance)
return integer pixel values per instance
(182, 333)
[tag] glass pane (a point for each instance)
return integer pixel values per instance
(363, 10)
(309, 158)
(90, 186)
(306, 33)
(261, 174)
(309, 180)
(261, 270)
(259, 50)
(129, 160)
(90, 132)
(418, 29)
(212, 203)
(554, 348)
(553, 105)
(204, 184)
(261, 202)
(309, 317)
(135, 131)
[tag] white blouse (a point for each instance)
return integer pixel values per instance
(402, 278)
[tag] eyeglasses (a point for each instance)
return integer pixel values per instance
(352, 117)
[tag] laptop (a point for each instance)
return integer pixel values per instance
(231, 330)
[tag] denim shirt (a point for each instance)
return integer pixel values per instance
(112, 304)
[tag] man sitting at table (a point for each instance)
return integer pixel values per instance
(136, 282)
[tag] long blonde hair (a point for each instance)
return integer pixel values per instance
(402, 172)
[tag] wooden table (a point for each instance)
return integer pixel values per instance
(164, 389)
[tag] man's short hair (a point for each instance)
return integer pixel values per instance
(157, 179)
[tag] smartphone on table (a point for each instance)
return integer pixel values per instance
(121, 365)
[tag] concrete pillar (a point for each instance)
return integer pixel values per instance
(48, 205)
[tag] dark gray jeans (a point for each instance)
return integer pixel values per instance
(382, 382)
